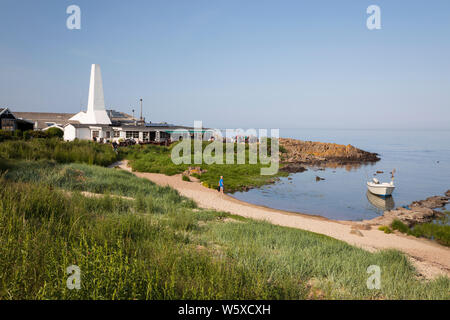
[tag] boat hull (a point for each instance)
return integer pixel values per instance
(383, 190)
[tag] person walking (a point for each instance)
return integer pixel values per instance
(221, 184)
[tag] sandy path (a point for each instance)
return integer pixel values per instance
(429, 258)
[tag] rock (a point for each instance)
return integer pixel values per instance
(448, 193)
(431, 202)
(356, 232)
(417, 212)
(293, 168)
(319, 178)
(380, 171)
(361, 226)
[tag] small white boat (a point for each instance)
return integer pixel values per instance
(380, 189)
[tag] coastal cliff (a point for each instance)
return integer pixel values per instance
(309, 152)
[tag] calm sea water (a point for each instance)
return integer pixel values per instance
(421, 160)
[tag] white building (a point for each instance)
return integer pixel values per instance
(95, 123)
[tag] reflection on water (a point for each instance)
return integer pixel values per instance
(381, 203)
(351, 166)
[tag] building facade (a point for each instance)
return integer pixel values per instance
(11, 122)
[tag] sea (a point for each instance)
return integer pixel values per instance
(421, 160)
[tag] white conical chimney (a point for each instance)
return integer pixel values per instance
(96, 99)
(96, 112)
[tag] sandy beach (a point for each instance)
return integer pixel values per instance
(429, 258)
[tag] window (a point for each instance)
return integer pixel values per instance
(108, 134)
(49, 124)
(8, 124)
(95, 134)
(132, 134)
(145, 136)
(116, 133)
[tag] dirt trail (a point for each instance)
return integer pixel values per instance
(429, 258)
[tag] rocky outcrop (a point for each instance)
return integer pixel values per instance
(308, 152)
(293, 168)
(447, 194)
(417, 212)
(431, 202)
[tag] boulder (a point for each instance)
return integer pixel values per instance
(356, 232)
(431, 202)
(293, 168)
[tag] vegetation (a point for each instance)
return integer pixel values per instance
(133, 239)
(157, 245)
(55, 149)
(54, 132)
(385, 229)
(30, 134)
(185, 178)
(157, 159)
(438, 231)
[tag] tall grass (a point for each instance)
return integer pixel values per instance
(158, 247)
(438, 230)
(55, 149)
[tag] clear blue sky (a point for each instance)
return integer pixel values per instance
(234, 63)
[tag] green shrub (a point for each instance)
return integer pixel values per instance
(185, 178)
(439, 231)
(196, 175)
(54, 132)
(386, 229)
(400, 226)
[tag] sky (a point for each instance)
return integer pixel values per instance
(234, 63)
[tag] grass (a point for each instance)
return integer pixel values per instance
(438, 231)
(60, 151)
(237, 177)
(159, 246)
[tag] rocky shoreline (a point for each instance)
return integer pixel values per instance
(416, 213)
(294, 151)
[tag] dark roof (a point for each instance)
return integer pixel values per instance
(42, 117)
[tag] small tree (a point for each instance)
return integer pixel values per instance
(55, 132)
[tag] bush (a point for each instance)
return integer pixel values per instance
(54, 132)
(386, 229)
(7, 135)
(185, 178)
(400, 226)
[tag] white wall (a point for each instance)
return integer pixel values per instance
(84, 133)
(69, 133)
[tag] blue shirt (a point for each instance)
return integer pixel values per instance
(221, 183)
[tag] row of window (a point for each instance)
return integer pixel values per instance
(128, 134)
